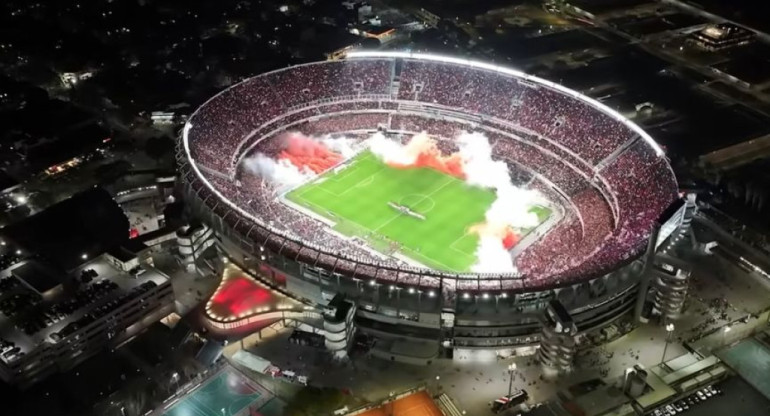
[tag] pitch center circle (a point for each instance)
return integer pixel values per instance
(418, 202)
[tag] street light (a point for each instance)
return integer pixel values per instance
(511, 369)
(669, 330)
(175, 377)
(724, 334)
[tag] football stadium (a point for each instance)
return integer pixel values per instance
(449, 199)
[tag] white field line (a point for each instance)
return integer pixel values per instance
(422, 199)
(425, 196)
(452, 246)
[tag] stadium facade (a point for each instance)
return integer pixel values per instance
(610, 176)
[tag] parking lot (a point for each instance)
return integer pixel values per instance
(737, 398)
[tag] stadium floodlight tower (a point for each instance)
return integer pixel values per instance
(302, 175)
(664, 282)
(557, 340)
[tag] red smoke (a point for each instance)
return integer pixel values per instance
(505, 233)
(510, 239)
(304, 152)
(426, 154)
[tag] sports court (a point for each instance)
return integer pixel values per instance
(417, 404)
(229, 393)
(432, 228)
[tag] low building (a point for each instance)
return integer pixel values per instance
(192, 240)
(722, 36)
(65, 294)
(126, 256)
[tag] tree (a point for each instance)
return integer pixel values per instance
(315, 401)
(109, 172)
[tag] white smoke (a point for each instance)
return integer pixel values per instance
(511, 205)
(342, 145)
(391, 151)
(283, 173)
(509, 209)
(279, 172)
(492, 257)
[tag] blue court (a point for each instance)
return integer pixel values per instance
(227, 394)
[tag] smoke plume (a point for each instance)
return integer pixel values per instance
(472, 163)
(306, 152)
(300, 157)
(420, 151)
(280, 172)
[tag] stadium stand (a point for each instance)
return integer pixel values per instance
(612, 182)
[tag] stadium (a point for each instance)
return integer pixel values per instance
(449, 199)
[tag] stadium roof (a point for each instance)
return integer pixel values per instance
(86, 224)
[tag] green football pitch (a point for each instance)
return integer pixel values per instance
(356, 199)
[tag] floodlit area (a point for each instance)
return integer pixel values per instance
(415, 404)
(417, 211)
(228, 393)
(240, 295)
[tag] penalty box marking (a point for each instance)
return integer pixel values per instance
(415, 253)
(360, 184)
(452, 246)
(344, 173)
(389, 220)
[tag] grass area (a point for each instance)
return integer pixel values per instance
(356, 199)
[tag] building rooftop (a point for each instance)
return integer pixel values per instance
(71, 232)
(37, 276)
(27, 320)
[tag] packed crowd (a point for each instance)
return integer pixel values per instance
(343, 123)
(574, 128)
(564, 140)
(577, 126)
(299, 85)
